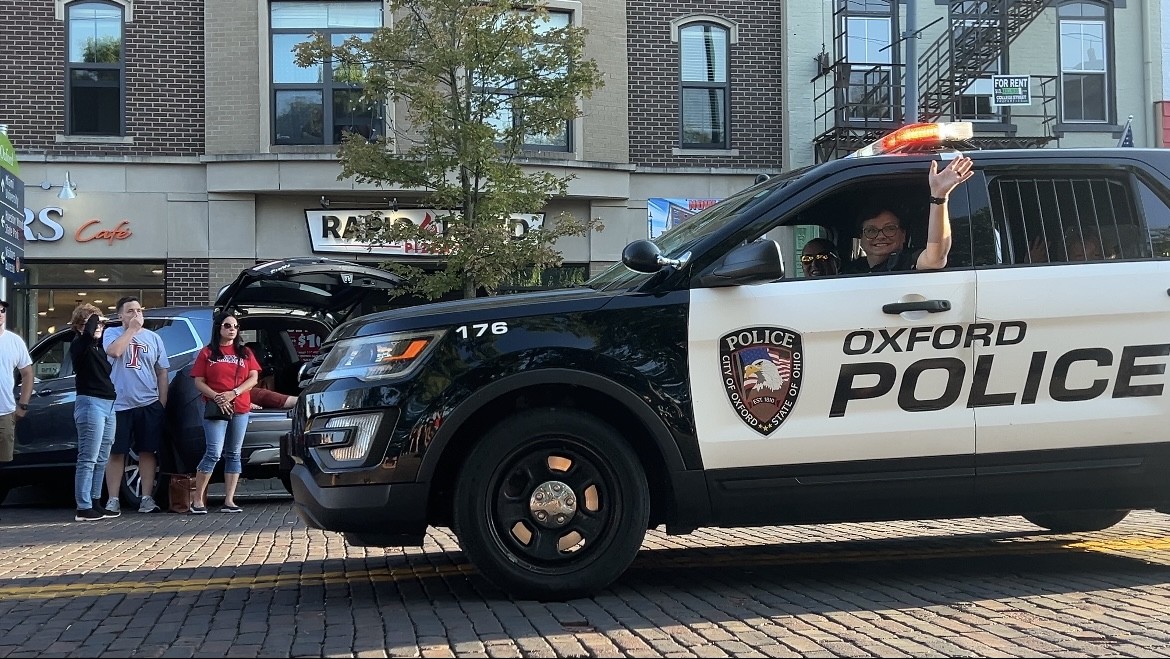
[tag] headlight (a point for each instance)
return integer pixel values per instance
(377, 357)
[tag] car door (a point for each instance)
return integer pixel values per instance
(1076, 412)
(47, 435)
(865, 414)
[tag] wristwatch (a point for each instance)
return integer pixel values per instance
(236, 392)
(938, 200)
(23, 406)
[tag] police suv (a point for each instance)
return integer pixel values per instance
(701, 383)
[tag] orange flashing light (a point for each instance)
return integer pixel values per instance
(917, 135)
(416, 346)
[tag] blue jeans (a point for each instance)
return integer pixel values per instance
(95, 421)
(226, 438)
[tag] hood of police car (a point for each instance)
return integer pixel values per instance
(477, 310)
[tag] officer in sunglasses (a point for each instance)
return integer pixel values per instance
(819, 258)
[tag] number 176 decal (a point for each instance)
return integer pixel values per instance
(479, 329)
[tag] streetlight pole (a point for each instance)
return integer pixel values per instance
(910, 36)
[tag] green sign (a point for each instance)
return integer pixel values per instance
(8, 155)
(1011, 90)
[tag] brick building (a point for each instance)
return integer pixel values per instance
(181, 129)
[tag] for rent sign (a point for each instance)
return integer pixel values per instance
(1011, 90)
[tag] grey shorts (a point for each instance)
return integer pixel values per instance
(7, 436)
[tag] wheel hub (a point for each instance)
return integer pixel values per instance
(552, 504)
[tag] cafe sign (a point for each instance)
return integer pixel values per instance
(334, 231)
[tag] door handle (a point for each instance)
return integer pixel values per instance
(933, 306)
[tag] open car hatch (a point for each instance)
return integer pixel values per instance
(317, 286)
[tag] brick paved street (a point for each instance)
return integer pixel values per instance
(262, 584)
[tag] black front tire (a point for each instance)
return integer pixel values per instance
(1077, 521)
(567, 555)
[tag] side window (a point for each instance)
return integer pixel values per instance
(175, 333)
(94, 69)
(1157, 216)
(1068, 218)
(52, 359)
(824, 239)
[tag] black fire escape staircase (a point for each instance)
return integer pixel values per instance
(978, 34)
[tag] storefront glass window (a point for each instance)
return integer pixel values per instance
(45, 303)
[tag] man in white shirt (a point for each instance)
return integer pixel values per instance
(13, 357)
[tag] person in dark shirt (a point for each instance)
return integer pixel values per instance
(884, 239)
(93, 412)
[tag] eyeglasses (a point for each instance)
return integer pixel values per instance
(230, 326)
(809, 258)
(3, 309)
(890, 230)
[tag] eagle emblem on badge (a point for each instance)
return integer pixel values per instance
(761, 368)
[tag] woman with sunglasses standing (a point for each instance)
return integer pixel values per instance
(225, 370)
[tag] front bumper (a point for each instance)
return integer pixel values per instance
(376, 514)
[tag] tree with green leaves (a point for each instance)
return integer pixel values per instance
(478, 79)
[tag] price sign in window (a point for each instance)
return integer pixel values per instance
(306, 343)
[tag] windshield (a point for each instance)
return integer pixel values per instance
(675, 242)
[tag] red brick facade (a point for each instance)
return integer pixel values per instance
(755, 67)
(163, 55)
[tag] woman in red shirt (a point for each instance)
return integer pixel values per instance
(224, 372)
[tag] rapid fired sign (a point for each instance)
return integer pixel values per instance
(335, 231)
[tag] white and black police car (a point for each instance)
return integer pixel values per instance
(703, 383)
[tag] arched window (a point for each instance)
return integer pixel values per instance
(95, 73)
(1084, 62)
(705, 90)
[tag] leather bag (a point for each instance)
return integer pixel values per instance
(182, 492)
(213, 412)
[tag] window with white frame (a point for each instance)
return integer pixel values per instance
(506, 117)
(95, 71)
(319, 103)
(1084, 66)
(705, 89)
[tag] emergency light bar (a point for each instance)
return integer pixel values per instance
(917, 135)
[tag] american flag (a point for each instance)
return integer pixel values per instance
(774, 355)
(1127, 133)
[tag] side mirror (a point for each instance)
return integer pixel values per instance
(747, 264)
(642, 256)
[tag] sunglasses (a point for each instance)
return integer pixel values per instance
(809, 258)
(230, 326)
(890, 230)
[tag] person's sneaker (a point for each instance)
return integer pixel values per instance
(198, 510)
(231, 509)
(87, 515)
(148, 505)
(113, 508)
(106, 512)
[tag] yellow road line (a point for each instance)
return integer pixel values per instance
(54, 590)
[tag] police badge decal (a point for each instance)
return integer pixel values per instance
(761, 368)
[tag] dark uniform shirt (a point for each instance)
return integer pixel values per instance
(896, 262)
